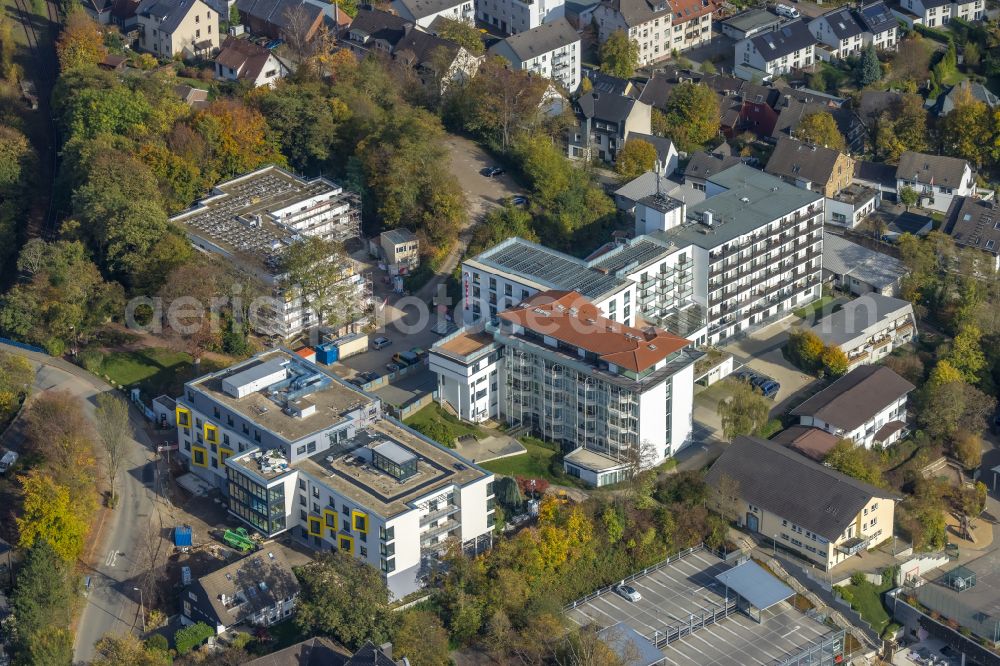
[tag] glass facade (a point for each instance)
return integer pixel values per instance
(261, 507)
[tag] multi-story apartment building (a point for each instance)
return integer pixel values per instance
(772, 54)
(252, 219)
(604, 123)
(869, 328)
(176, 27)
(756, 247)
(424, 12)
(867, 406)
(646, 22)
(823, 515)
(551, 50)
(691, 23)
(294, 449)
(514, 16)
(614, 396)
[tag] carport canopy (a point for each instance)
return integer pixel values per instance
(755, 585)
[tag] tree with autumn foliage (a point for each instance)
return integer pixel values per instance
(49, 514)
(237, 139)
(821, 129)
(80, 42)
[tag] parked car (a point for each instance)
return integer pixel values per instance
(7, 461)
(786, 11)
(371, 376)
(491, 172)
(392, 367)
(744, 376)
(381, 342)
(405, 359)
(420, 352)
(769, 388)
(628, 592)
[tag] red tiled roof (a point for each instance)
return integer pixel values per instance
(569, 317)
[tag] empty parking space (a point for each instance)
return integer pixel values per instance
(684, 591)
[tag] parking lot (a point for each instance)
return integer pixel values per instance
(687, 589)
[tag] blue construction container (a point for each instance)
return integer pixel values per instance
(328, 353)
(182, 535)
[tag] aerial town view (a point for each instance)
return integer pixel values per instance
(500, 333)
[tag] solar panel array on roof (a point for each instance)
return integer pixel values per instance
(550, 268)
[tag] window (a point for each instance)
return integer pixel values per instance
(388, 565)
(387, 533)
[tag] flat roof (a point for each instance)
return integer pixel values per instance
(755, 585)
(393, 452)
(976, 607)
(463, 343)
(752, 199)
(687, 587)
(633, 255)
(241, 215)
(332, 402)
(437, 468)
(547, 268)
(755, 18)
(595, 461)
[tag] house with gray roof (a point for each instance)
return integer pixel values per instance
(424, 12)
(869, 328)
(646, 22)
(815, 511)
(867, 406)
(937, 179)
(858, 270)
(551, 50)
(839, 30)
(749, 23)
(975, 223)
(771, 54)
(945, 104)
(881, 26)
(604, 123)
(257, 590)
(704, 164)
(646, 185)
(176, 27)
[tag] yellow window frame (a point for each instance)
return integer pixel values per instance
(348, 540)
(186, 413)
(211, 433)
(223, 454)
(332, 526)
(195, 450)
(318, 523)
(364, 521)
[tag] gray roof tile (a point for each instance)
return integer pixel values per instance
(856, 397)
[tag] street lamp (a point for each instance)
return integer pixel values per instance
(141, 609)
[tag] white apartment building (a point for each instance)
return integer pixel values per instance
(867, 406)
(613, 396)
(869, 328)
(250, 220)
(177, 27)
(551, 50)
(515, 16)
(292, 448)
(772, 54)
(936, 13)
(936, 179)
(755, 246)
(646, 22)
(424, 12)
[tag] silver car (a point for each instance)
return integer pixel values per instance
(628, 592)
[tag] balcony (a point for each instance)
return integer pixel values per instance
(447, 510)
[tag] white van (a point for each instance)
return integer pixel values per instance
(785, 10)
(7, 461)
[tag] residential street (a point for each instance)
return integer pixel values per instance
(111, 605)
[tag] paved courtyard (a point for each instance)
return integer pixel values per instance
(686, 590)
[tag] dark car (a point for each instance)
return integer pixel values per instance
(769, 388)
(370, 376)
(744, 376)
(519, 201)
(490, 172)
(392, 367)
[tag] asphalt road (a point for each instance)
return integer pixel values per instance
(117, 546)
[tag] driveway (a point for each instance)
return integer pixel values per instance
(115, 555)
(761, 352)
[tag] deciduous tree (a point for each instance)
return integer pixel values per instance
(128, 650)
(634, 159)
(619, 55)
(42, 603)
(49, 516)
(968, 447)
(80, 43)
(463, 34)
(503, 100)
(744, 413)
(115, 431)
(16, 377)
(422, 638)
(691, 115)
(821, 129)
(855, 461)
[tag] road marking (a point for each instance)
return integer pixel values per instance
(112, 558)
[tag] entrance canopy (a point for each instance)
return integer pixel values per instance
(755, 585)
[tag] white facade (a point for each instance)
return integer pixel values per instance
(268, 75)
(844, 47)
(181, 29)
(561, 64)
(864, 435)
(310, 468)
(424, 13)
(934, 14)
(468, 371)
(869, 328)
(516, 16)
(751, 60)
(936, 196)
(653, 35)
(851, 206)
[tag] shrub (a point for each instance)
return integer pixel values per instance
(91, 360)
(158, 642)
(858, 578)
(189, 638)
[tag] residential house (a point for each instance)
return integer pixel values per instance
(423, 12)
(645, 22)
(867, 406)
(772, 54)
(123, 15)
(823, 515)
(794, 105)
(749, 23)
(691, 23)
(810, 442)
(840, 32)
(296, 451)
(551, 50)
(975, 223)
(666, 152)
(873, 106)
(937, 13)
(400, 250)
(242, 60)
(936, 178)
(656, 92)
(428, 54)
(196, 98)
(965, 89)
(703, 165)
(321, 651)
(604, 124)
(605, 83)
(258, 590)
(514, 16)
(277, 18)
(881, 26)
(99, 11)
(858, 270)
(811, 167)
(869, 328)
(176, 27)
(375, 30)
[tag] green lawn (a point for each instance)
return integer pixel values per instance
(534, 463)
(867, 600)
(155, 371)
(807, 311)
(432, 421)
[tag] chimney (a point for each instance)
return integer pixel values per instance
(386, 649)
